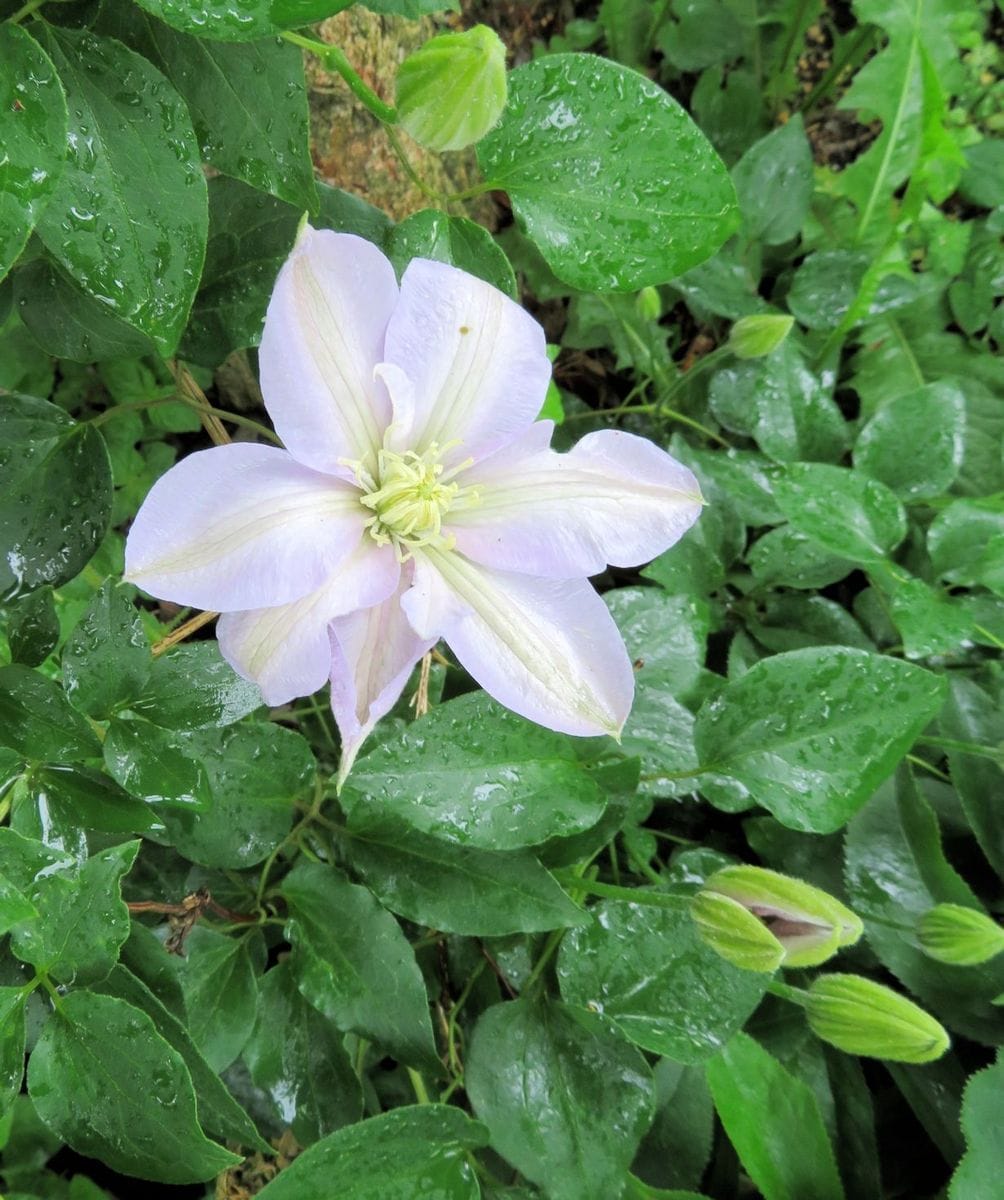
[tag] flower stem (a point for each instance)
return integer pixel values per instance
(335, 59)
(25, 11)
(613, 891)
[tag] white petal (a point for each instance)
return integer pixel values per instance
(372, 654)
(548, 649)
(324, 334)
(476, 360)
(286, 650)
(614, 498)
(241, 526)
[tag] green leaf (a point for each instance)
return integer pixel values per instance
(220, 982)
(773, 1121)
(193, 687)
(218, 20)
(928, 621)
(966, 543)
(297, 1057)
(979, 1173)
(847, 513)
(128, 218)
(220, 1114)
(647, 970)
(787, 621)
(15, 907)
(12, 1002)
(896, 871)
(455, 240)
(353, 963)
(37, 722)
(565, 1100)
(773, 181)
(82, 920)
(112, 1088)
(410, 1153)
(583, 140)
(777, 401)
(675, 1151)
(810, 734)
(256, 773)
(789, 557)
(67, 322)
(32, 628)
(915, 442)
(154, 764)
(460, 889)
(79, 797)
(48, 531)
(248, 103)
(473, 773)
(106, 660)
(698, 562)
(33, 136)
(728, 104)
(971, 715)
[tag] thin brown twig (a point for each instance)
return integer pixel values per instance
(182, 632)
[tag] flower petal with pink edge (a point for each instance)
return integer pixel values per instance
(476, 361)
(239, 527)
(373, 652)
(614, 498)
(323, 335)
(286, 650)
(546, 648)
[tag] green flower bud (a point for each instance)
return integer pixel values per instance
(810, 924)
(755, 337)
(649, 304)
(961, 936)
(452, 90)
(735, 933)
(859, 1016)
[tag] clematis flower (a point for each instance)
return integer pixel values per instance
(417, 499)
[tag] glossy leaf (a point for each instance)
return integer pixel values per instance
(966, 543)
(37, 722)
(410, 1154)
(971, 715)
(675, 1151)
(155, 765)
(472, 773)
(789, 557)
(133, 238)
(32, 628)
(647, 970)
(810, 734)
(927, 462)
(103, 1079)
(979, 1173)
(774, 183)
(12, 1002)
(106, 660)
(219, 20)
(565, 1100)
(297, 1057)
(33, 135)
(454, 240)
(48, 533)
(583, 140)
(773, 1121)
(79, 797)
(192, 687)
(353, 963)
(220, 983)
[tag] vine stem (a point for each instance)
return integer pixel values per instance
(25, 11)
(334, 58)
(177, 398)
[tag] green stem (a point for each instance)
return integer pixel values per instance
(921, 762)
(992, 638)
(335, 58)
(175, 398)
(54, 996)
(613, 891)
(783, 990)
(310, 815)
(418, 1084)
(793, 27)
(974, 748)
(25, 11)
(852, 56)
(550, 946)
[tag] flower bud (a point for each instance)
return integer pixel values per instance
(808, 923)
(452, 90)
(960, 936)
(648, 304)
(860, 1016)
(757, 336)
(735, 933)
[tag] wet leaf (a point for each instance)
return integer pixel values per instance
(648, 971)
(134, 238)
(220, 983)
(584, 141)
(218, 20)
(193, 687)
(774, 183)
(104, 1080)
(915, 443)
(565, 1100)
(455, 240)
(979, 1173)
(106, 660)
(12, 1002)
(37, 722)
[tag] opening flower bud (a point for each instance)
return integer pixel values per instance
(452, 90)
(809, 924)
(758, 336)
(862, 1017)
(961, 936)
(735, 933)
(649, 304)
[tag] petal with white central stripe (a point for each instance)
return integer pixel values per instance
(546, 648)
(323, 335)
(614, 498)
(239, 527)
(373, 652)
(477, 363)
(286, 650)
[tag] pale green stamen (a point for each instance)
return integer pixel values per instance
(409, 494)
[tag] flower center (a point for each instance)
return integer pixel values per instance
(409, 494)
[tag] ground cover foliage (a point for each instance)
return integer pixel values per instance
(475, 972)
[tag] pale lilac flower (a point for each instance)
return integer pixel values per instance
(418, 499)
